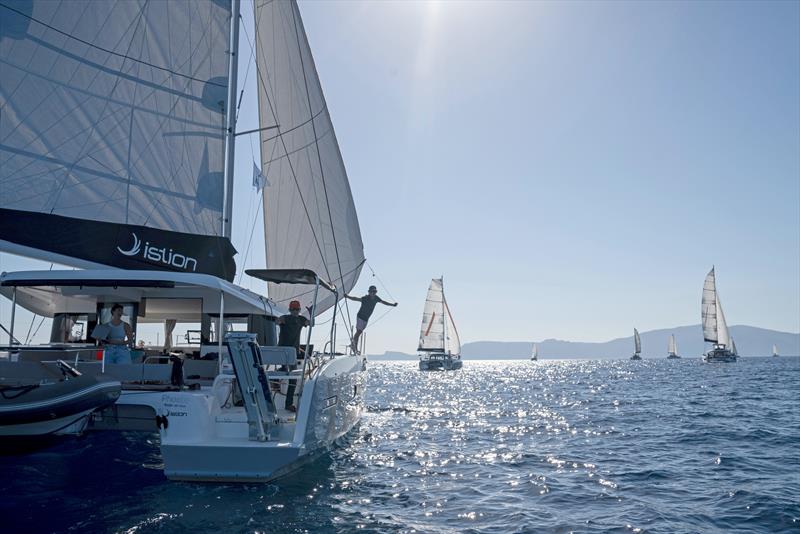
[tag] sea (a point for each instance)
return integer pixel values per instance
(500, 446)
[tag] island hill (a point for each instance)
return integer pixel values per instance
(750, 340)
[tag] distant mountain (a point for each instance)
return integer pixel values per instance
(392, 355)
(750, 341)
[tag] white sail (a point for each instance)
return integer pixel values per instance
(733, 347)
(535, 352)
(637, 341)
(431, 336)
(774, 350)
(114, 111)
(709, 308)
(673, 346)
(723, 337)
(452, 341)
(310, 219)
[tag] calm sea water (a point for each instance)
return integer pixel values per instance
(500, 446)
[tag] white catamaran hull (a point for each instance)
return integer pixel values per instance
(718, 355)
(206, 441)
(440, 364)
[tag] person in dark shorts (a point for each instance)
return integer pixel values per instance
(368, 303)
(291, 327)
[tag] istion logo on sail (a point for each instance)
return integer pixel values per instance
(160, 255)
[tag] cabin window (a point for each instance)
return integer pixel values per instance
(72, 327)
(261, 325)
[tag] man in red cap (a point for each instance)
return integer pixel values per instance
(291, 327)
(368, 303)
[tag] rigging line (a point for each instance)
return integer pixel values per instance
(291, 166)
(319, 156)
(380, 281)
(87, 43)
(250, 240)
(30, 327)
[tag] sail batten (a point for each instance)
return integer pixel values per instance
(310, 218)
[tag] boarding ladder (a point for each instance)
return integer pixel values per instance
(252, 378)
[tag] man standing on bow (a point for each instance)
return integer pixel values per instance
(368, 303)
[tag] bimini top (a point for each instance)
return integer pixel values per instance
(290, 276)
(49, 292)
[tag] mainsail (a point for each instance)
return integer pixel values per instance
(637, 341)
(112, 132)
(673, 346)
(431, 336)
(438, 332)
(309, 216)
(535, 352)
(709, 308)
(774, 350)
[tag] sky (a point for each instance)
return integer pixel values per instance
(572, 169)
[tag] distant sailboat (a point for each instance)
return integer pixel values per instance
(535, 353)
(638, 346)
(774, 351)
(715, 329)
(672, 350)
(438, 337)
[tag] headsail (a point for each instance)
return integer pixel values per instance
(723, 337)
(310, 219)
(431, 335)
(673, 346)
(112, 132)
(637, 341)
(733, 347)
(709, 308)
(452, 341)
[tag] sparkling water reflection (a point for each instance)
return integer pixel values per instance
(509, 446)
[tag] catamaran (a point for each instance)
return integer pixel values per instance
(774, 351)
(672, 349)
(535, 353)
(715, 329)
(438, 337)
(118, 129)
(637, 346)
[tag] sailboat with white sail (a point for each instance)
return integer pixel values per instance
(775, 351)
(118, 129)
(535, 353)
(637, 342)
(438, 337)
(672, 349)
(715, 329)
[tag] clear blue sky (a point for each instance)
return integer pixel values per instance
(573, 169)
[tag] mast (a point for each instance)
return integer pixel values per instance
(230, 122)
(444, 321)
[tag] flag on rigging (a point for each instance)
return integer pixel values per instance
(259, 180)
